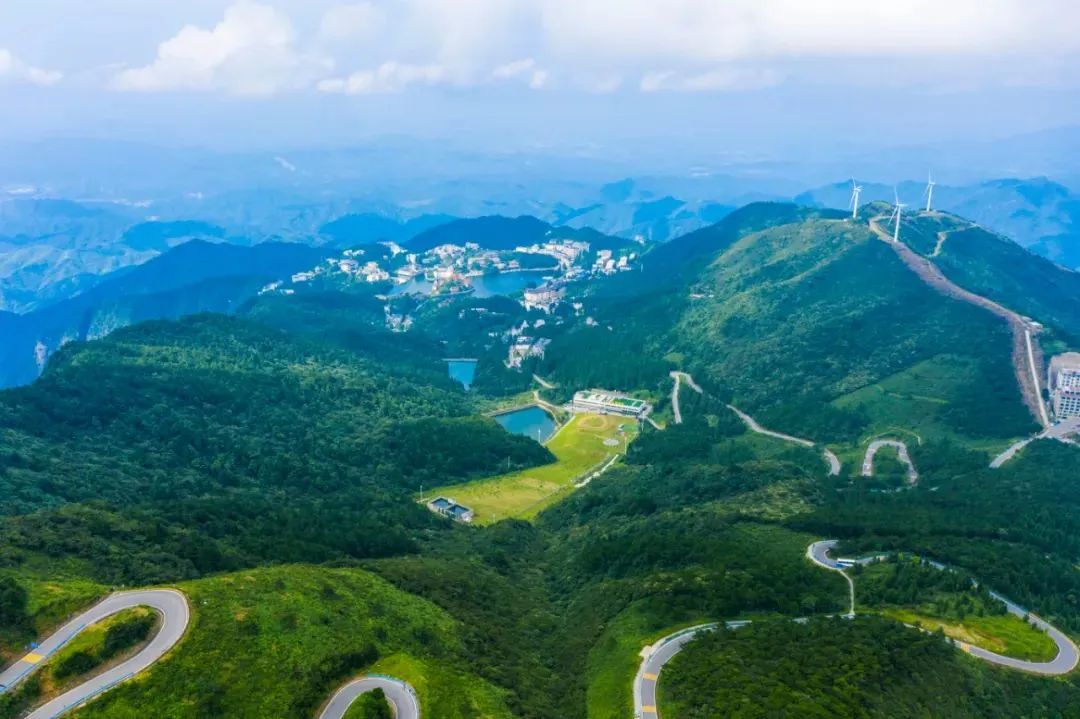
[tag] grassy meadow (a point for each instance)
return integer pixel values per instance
(579, 448)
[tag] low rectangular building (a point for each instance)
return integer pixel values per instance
(598, 401)
(449, 508)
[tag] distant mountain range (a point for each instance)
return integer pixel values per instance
(1037, 213)
(197, 276)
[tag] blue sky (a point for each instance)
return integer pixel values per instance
(746, 75)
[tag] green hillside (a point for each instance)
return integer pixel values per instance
(268, 463)
(828, 669)
(277, 642)
(809, 322)
(219, 442)
(996, 267)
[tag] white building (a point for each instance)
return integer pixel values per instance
(600, 401)
(544, 298)
(1065, 385)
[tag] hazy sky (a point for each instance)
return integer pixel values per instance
(748, 75)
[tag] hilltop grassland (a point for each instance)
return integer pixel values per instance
(276, 642)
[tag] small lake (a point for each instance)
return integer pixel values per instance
(507, 283)
(502, 283)
(462, 370)
(532, 422)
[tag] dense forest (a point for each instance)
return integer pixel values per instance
(867, 668)
(269, 463)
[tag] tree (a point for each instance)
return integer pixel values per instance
(12, 603)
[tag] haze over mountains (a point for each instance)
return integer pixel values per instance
(73, 211)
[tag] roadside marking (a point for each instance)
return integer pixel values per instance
(33, 658)
(649, 676)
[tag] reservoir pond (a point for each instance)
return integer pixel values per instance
(532, 422)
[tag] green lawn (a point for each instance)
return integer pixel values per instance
(1003, 634)
(578, 447)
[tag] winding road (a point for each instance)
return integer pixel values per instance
(901, 450)
(679, 378)
(172, 606)
(830, 458)
(400, 694)
(655, 656)
(175, 614)
(1067, 656)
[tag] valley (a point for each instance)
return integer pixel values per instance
(545, 359)
(275, 462)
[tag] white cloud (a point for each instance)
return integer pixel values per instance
(526, 70)
(12, 68)
(356, 22)
(250, 52)
(592, 45)
(388, 77)
(721, 79)
(710, 31)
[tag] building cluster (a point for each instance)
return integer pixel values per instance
(599, 401)
(545, 298)
(397, 322)
(1065, 385)
(369, 271)
(564, 252)
(607, 264)
(524, 347)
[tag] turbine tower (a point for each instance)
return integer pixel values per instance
(929, 192)
(898, 209)
(854, 204)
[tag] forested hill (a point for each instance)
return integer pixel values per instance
(277, 444)
(790, 313)
(996, 267)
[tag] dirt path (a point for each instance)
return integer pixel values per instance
(941, 236)
(1027, 356)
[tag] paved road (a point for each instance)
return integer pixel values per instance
(1059, 431)
(831, 459)
(833, 462)
(653, 659)
(655, 656)
(679, 378)
(901, 450)
(1067, 656)
(169, 603)
(402, 697)
(818, 552)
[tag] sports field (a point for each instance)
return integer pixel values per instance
(579, 449)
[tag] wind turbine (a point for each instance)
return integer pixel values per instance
(898, 209)
(929, 192)
(854, 204)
